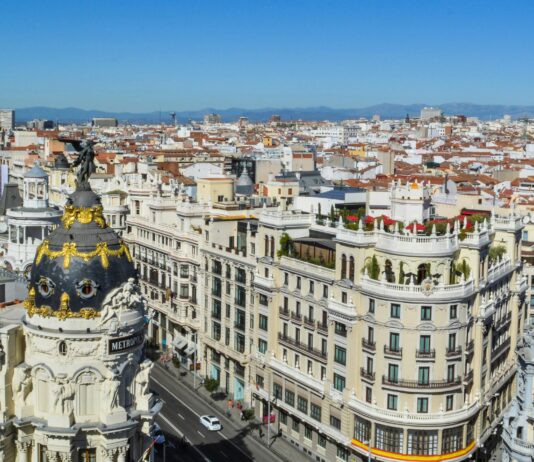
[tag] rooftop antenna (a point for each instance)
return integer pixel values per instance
(173, 117)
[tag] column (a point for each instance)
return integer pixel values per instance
(122, 454)
(23, 448)
(18, 234)
(108, 455)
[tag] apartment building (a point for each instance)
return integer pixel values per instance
(386, 344)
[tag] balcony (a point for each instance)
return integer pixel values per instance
(309, 322)
(284, 312)
(469, 348)
(367, 375)
(263, 282)
(468, 377)
(452, 352)
(302, 347)
(368, 344)
(425, 354)
(416, 384)
(322, 327)
(296, 317)
(500, 349)
(240, 326)
(417, 293)
(395, 352)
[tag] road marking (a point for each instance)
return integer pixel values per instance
(272, 454)
(181, 416)
(181, 435)
(201, 434)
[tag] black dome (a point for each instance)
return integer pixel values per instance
(79, 263)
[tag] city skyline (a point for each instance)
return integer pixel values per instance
(135, 58)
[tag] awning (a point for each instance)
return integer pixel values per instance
(179, 342)
(190, 349)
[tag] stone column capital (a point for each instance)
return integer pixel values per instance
(23, 446)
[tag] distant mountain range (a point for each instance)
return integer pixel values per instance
(385, 111)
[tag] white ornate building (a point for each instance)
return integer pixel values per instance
(75, 382)
(518, 428)
(30, 224)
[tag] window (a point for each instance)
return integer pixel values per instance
(325, 291)
(453, 312)
(343, 297)
(369, 394)
(315, 412)
(371, 305)
(389, 438)
(283, 417)
(424, 376)
(289, 398)
(264, 300)
(312, 287)
(340, 329)
(449, 402)
(426, 313)
(308, 432)
(424, 343)
(298, 282)
(362, 429)
(227, 336)
(324, 345)
(393, 373)
(241, 275)
(371, 335)
(422, 405)
(84, 455)
(262, 346)
(369, 365)
(342, 453)
(239, 342)
(62, 348)
(423, 442)
(216, 330)
(340, 355)
(321, 441)
(302, 404)
(286, 279)
(263, 322)
(395, 311)
(393, 402)
(394, 342)
(450, 373)
(295, 424)
(260, 381)
(339, 382)
(335, 422)
(240, 296)
(277, 391)
(452, 342)
(228, 310)
(451, 439)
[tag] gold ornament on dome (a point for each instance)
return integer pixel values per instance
(69, 250)
(64, 311)
(84, 215)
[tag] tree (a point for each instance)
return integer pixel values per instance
(373, 268)
(286, 246)
(496, 252)
(211, 385)
(332, 213)
(402, 276)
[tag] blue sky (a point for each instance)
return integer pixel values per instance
(149, 55)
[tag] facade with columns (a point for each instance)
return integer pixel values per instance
(518, 428)
(77, 379)
(31, 223)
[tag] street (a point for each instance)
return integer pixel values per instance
(180, 417)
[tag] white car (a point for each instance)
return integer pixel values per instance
(211, 422)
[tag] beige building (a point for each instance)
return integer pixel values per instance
(215, 189)
(386, 345)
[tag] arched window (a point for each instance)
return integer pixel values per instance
(127, 387)
(343, 266)
(422, 272)
(266, 245)
(62, 348)
(351, 268)
(86, 398)
(272, 247)
(390, 274)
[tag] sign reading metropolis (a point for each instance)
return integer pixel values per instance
(118, 345)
